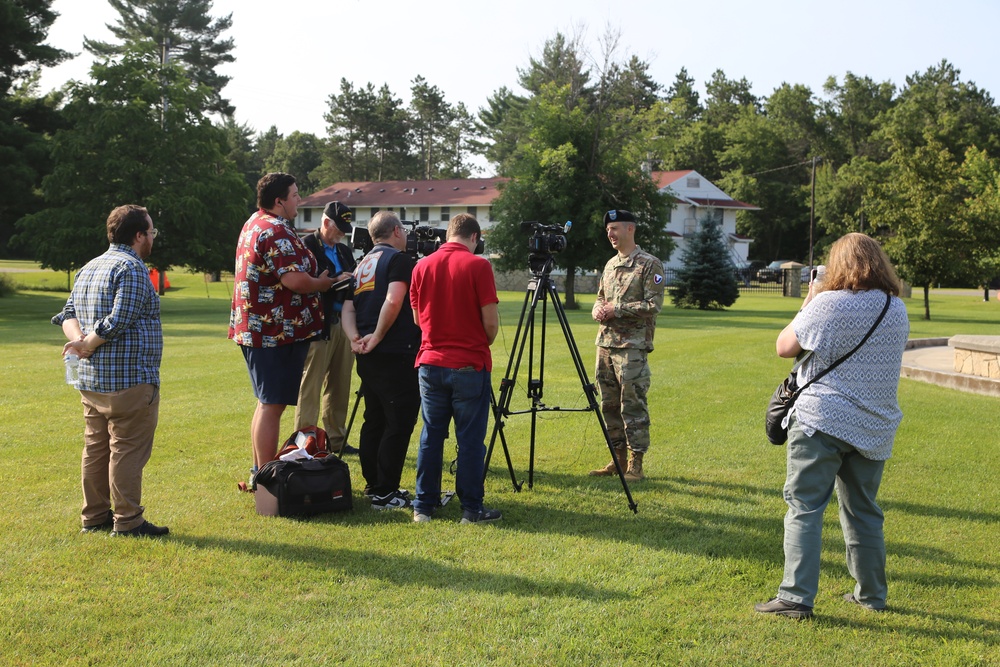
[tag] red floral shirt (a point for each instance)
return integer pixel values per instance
(265, 313)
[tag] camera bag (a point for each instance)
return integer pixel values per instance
(304, 487)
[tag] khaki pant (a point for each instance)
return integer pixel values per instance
(326, 384)
(117, 442)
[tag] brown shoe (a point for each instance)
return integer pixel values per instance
(610, 470)
(634, 472)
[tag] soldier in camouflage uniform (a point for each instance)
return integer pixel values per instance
(628, 299)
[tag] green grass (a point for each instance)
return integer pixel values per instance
(570, 576)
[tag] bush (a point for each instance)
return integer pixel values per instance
(7, 285)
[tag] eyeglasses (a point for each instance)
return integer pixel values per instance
(154, 231)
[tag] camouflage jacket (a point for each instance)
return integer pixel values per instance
(634, 286)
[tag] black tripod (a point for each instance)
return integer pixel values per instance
(541, 288)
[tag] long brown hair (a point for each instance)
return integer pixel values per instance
(857, 262)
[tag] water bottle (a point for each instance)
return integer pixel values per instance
(72, 368)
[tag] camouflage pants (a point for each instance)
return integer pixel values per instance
(623, 378)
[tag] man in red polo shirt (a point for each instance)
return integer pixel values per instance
(454, 299)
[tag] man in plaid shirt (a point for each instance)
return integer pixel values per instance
(112, 321)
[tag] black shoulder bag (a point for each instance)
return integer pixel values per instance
(788, 391)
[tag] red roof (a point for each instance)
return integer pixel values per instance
(383, 194)
(665, 178)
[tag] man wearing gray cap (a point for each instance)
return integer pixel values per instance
(326, 379)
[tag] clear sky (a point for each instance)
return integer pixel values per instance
(291, 55)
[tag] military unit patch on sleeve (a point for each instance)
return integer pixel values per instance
(657, 278)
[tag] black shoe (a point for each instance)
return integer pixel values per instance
(482, 516)
(145, 529)
(108, 524)
(346, 449)
(391, 501)
(849, 597)
(780, 607)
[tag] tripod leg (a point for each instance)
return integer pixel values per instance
(350, 422)
(498, 424)
(589, 389)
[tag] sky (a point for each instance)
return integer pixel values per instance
(291, 56)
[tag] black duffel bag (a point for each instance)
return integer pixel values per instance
(303, 488)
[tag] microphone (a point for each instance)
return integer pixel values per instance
(568, 226)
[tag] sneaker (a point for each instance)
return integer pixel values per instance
(849, 597)
(107, 524)
(370, 494)
(482, 516)
(420, 517)
(391, 501)
(780, 607)
(145, 529)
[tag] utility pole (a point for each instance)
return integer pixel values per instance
(812, 211)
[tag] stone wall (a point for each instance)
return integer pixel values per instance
(977, 355)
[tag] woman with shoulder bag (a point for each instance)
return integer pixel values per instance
(841, 428)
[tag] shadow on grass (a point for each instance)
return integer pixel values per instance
(405, 570)
(929, 624)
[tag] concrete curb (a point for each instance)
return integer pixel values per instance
(931, 360)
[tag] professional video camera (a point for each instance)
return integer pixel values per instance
(545, 241)
(361, 240)
(422, 240)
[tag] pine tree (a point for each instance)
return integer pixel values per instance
(706, 280)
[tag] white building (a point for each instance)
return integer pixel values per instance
(427, 202)
(695, 198)
(434, 202)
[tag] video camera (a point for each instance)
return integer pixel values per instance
(421, 240)
(545, 239)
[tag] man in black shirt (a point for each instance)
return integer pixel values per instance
(379, 322)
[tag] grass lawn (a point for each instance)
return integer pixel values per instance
(570, 576)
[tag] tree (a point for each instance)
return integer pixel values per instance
(726, 97)
(580, 154)
(117, 149)
(367, 136)
(25, 119)
(242, 152)
(180, 30)
(683, 98)
(706, 280)
(920, 209)
(298, 154)
(756, 161)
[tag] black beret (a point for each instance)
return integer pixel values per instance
(618, 215)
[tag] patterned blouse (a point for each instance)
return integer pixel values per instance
(856, 401)
(265, 313)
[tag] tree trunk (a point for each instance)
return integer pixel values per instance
(162, 275)
(570, 301)
(927, 301)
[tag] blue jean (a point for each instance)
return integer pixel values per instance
(461, 394)
(816, 465)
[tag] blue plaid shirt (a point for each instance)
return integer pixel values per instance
(114, 298)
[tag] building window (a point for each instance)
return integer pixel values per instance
(693, 182)
(471, 210)
(372, 212)
(425, 213)
(402, 213)
(445, 213)
(714, 214)
(307, 215)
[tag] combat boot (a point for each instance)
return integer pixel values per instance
(634, 472)
(609, 470)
